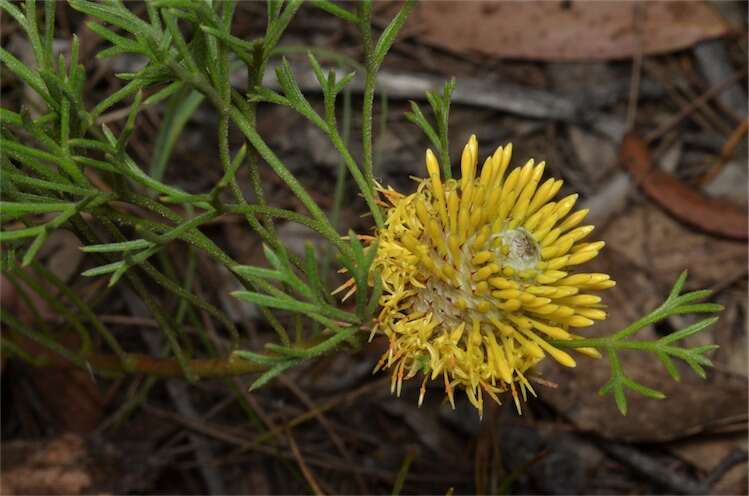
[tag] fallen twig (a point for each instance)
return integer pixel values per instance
(479, 92)
(654, 470)
(726, 151)
(697, 103)
(302, 464)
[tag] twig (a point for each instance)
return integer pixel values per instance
(309, 415)
(726, 151)
(179, 394)
(696, 104)
(714, 63)
(276, 431)
(653, 470)
(236, 439)
(259, 411)
(732, 459)
(403, 472)
(711, 115)
(634, 85)
(478, 92)
(335, 438)
(302, 464)
(136, 363)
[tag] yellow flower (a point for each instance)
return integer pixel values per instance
(478, 274)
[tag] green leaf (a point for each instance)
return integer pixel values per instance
(18, 208)
(29, 77)
(129, 124)
(137, 244)
(14, 12)
(336, 10)
(18, 178)
(248, 271)
(273, 372)
(670, 366)
(704, 348)
(278, 25)
(417, 117)
(620, 398)
(313, 275)
(258, 358)
(28, 257)
(231, 171)
(694, 365)
(103, 269)
(243, 49)
(130, 88)
(690, 297)
(317, 70)
(275, 302)
(391, 31)
(10, 117)
(677, 287)
(125, 44)
(180, 110)
(261, 94)
(345, 80)
(374, 299)
(697, 308)
(26, 232)
(327, 345)
(644, 390)
(688, 331)
(117, 15)
(164, 93)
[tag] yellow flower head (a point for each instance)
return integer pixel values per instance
(478, 275)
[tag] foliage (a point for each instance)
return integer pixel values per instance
(51, 147)
(664, 348)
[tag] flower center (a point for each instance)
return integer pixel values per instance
(523, 252)
(467, 298)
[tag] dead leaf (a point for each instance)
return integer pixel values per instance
(651, 240)
(689, 205)
(564, 30)
(71, 396)
(58, 466)
(707, 452)
(63, 254)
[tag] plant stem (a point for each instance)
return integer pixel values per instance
(365, 27)
(136, 363)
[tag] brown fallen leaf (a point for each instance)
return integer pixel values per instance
(661, 246)
(71, 396)
(709, 214)
(57, 466)
(705, 452)
(564, 30)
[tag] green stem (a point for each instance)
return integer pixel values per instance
(360, 180)
(83, 307)
(365, 27)
(280, 169)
